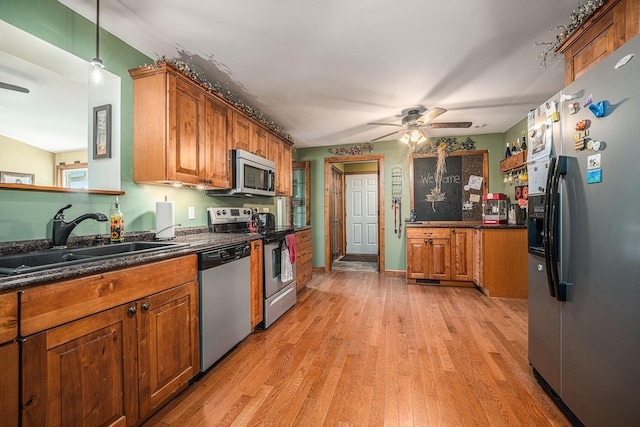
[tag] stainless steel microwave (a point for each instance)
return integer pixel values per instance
(252, 176)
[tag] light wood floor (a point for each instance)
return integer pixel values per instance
(366, 349)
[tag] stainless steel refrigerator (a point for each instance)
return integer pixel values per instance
(584, 248)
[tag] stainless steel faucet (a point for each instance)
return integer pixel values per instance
(62, 229)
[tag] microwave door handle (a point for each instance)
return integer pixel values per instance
(272, 179)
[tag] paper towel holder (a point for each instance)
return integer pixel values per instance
(166, 228)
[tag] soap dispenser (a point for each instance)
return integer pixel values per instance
(117, 224)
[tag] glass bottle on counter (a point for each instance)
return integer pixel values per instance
(117, 224)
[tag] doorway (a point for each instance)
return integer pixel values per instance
(335, 208)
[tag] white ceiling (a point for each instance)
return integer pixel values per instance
(324, 69)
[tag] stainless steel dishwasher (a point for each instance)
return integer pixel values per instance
(225, 301)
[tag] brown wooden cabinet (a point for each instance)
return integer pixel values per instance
(304, 255)
(218, 131)
(462, 254)
(273, 148)
(501, 259)
(611, 26)
(259, 138)
(443, 254)
(110, 348)
(241, 132)
(180, 131)
(284, 173)
(257, 278)
(9, 355)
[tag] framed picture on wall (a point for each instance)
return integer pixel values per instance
(102, 132)
(17, 178)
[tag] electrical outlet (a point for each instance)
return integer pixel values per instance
(192, 212)
(265, 209)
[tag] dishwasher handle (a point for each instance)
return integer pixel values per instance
(207, 260)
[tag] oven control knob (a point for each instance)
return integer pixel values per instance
(224, 211)
(218, 212)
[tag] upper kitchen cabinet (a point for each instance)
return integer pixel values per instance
(248, 135)
(241, 132)
(611, 26)
(181, 133)
(284, 173)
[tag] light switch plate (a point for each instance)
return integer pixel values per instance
(192, 212)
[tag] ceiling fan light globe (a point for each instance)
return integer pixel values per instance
(405, 138)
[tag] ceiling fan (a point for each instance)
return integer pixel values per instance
(413, 123)
(8, 86)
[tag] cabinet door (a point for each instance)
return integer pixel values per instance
(9, 384)
(241, 132)
(257, 274)
(477, 258)
(273, 149)
(439, 259)
(462, 254)
(284, 170)
(185, 157)
(259, 138)
(417, 259)
(168, 344)
(81, 373)
(218, 138)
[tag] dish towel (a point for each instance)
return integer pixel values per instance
(291, 241)
(286, 269)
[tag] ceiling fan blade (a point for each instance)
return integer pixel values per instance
(431, 114)
(384, 136)
(13, 87)
(448, 125)
(385, 124)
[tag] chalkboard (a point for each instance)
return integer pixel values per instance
(452, 193)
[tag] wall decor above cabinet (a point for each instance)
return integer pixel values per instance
(184, 133)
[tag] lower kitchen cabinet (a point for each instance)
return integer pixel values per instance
(304, 255)
(500, 266)
(257, 278)
(443, 254)
(109, 349)
(9, 355)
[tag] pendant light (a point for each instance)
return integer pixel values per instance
(97, 64)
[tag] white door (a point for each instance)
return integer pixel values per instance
(362, 213)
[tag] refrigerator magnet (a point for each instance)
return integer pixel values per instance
(594, 176)
(594, 161)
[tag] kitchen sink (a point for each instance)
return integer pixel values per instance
(54, 258)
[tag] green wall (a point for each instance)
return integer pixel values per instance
(26, 215)
(396, 154)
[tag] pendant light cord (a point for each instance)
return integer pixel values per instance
(98, 29)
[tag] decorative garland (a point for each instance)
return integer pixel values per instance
(223, 91)
(450, 145)
(352, 151)
(578, 16)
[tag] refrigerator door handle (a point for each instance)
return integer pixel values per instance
(547, 228)
(559, 170)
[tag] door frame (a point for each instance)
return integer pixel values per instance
(328, 162)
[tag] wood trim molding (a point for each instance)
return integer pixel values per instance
(328, 162)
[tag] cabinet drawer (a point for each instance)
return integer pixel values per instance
(428, 233)
(303, 275)
(51, 305)
(304, 252)
(303, 236)
(8, 317)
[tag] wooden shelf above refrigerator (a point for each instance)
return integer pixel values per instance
(516, 162)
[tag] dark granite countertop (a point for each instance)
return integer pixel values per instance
(196, 240)
(426, 224)
(306, 227)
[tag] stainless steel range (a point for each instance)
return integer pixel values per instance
(279, 255)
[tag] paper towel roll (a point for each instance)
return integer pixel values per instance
(164, 220)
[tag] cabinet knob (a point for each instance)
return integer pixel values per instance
(257, 245)
(453, 230)
(145, 306)
(132, 310)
